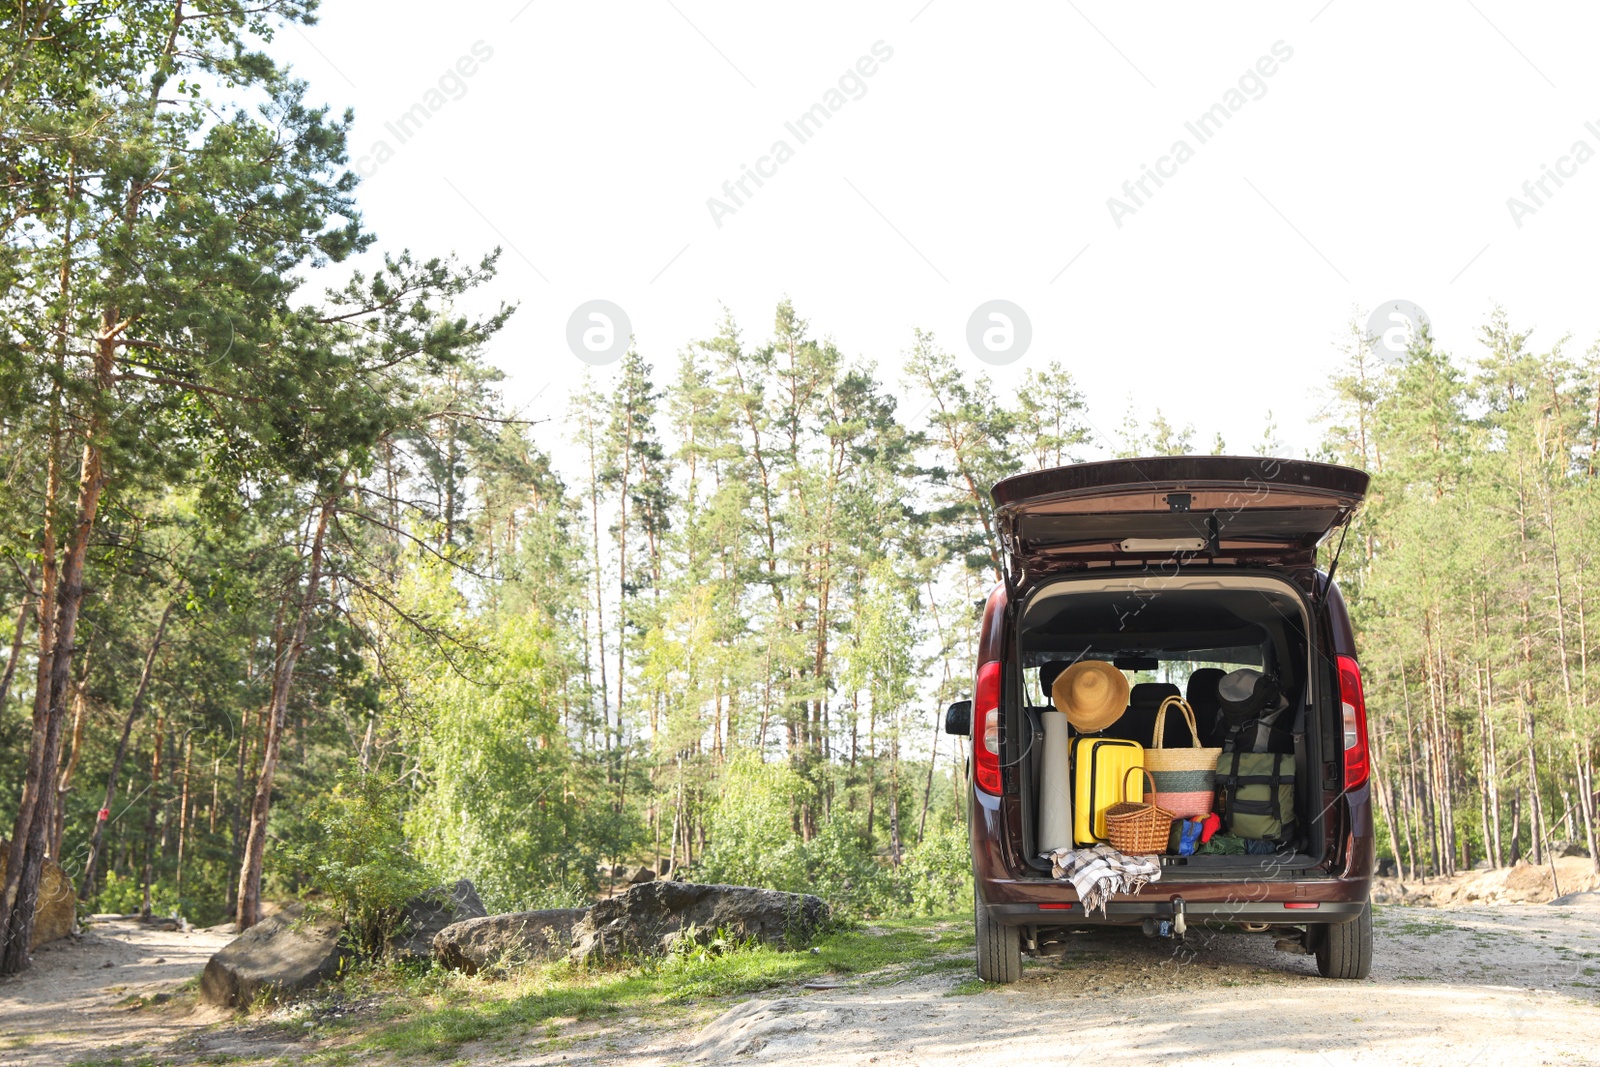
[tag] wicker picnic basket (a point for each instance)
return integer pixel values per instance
(1184, 778)
(1135, 828)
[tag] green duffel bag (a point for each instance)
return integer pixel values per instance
(1255, 794)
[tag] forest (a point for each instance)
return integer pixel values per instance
(295, 600)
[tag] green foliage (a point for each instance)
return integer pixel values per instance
(691, 946)
(839, 868)
(360, 857)
(1468, 575)
(937, 875)
(124, 895)
(754, 842)
(506, 803)
(173, 391)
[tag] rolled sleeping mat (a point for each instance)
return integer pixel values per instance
(1055, 791)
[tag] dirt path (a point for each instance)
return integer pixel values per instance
(1516, 984)
(1507, 985)
(76, 1001)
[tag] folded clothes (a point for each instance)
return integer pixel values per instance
(1222, 845)
(1101, 872)
(1229, 845)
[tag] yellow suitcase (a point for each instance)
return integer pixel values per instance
(1098, 767)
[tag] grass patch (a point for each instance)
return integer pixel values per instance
(436, 1013)
(1424, 929)
(969, 987)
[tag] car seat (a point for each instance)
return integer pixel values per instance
(1202, 697)
(1138, 723)
(1048, 673)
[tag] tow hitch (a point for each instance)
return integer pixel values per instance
(1174, 927)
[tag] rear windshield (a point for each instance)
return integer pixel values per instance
(1165, 635)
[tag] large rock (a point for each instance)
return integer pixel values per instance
(648, 919)
(281, 954)
(427, 914)
(498, 941)
(56, 912)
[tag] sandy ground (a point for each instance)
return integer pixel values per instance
(1515, 984)
(1521, 884)
(78, 999)
(1506, 985)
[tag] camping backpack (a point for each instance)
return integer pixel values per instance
(1255, 794)
(1252, 708)
(1256, 770)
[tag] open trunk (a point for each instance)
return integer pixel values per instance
(1176, 568)
(1168, 632)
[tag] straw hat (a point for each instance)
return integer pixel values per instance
(1092, 693)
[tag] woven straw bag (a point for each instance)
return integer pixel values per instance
(1137, 829)
(1185, 778)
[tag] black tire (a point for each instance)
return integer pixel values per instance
(1345, 950)
(999, 948)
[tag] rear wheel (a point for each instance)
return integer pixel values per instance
(1345, 950)
(999, 947)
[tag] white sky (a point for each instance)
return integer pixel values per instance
(1376, 166)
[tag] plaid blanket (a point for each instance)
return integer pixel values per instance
(1101, 872)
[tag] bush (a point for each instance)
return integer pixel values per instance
(752, 834)
(125, 896)
(937, 875)
(362, 861)
(753, 842)
(841, 870)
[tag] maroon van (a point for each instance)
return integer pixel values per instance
(1178, 570)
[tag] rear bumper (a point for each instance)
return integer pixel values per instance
(1264, 893)
(1133, 912)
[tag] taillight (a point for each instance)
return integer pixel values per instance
(986, 728)
(1353, 706)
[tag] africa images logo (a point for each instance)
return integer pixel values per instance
(1393, 327)
(450, 85)
(852, 85)
(1537, 192)
(1252, 85)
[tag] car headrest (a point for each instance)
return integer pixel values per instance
(1049, 672)
(1149, 695)
(1202, 689)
